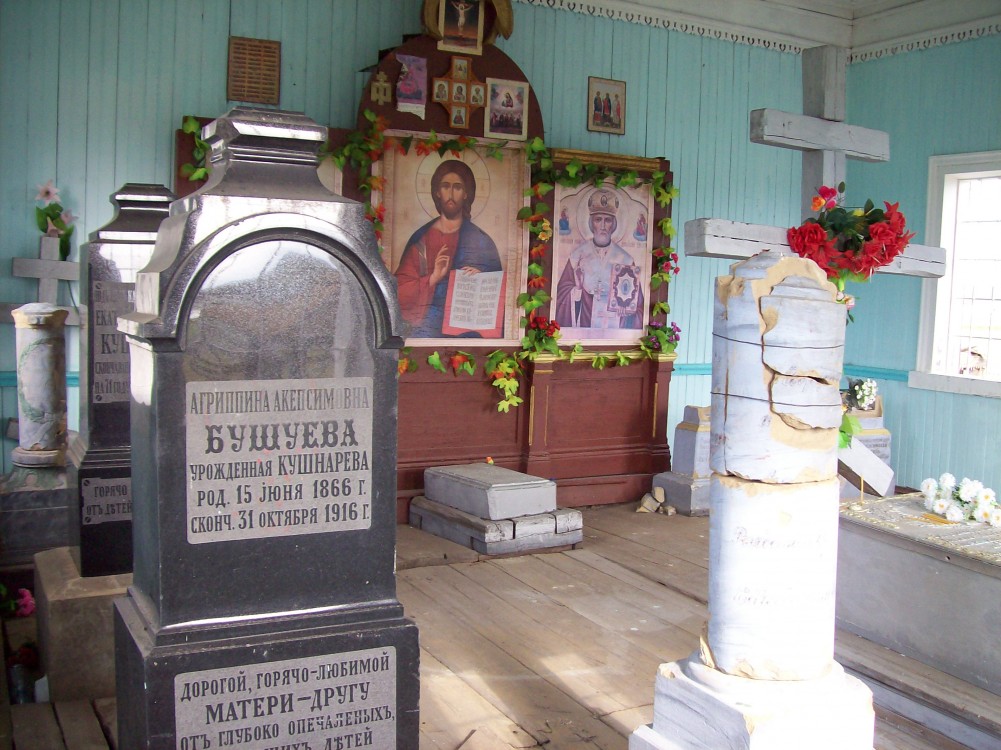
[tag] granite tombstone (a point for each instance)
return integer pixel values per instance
(264, 348)
(101, 454)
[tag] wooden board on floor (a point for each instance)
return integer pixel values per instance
(419, 549)
(80, 726)
(453, 713)
(543, 711)
(35, 727)
(107, 713)
(674, 572)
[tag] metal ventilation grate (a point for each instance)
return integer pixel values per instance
(254, 70)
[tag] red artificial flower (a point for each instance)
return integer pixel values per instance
(817, 203)
(538, 282)
(456, 361)
(537, 251)
(403, 365)
(811, 241)
(829, 195)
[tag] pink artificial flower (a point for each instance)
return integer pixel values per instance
(67, 217)
(25, 603)
(47, 193)
(829, 195)
(51, 229)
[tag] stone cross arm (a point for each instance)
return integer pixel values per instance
(719, 238)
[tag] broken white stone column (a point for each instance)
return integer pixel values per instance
(764, 677)
(41, 385)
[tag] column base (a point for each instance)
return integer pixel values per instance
(698, 708)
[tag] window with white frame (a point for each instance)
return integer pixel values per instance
(961, 312)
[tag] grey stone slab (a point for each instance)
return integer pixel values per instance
(522, 535)
(489, 491)
(75, 626)
(932, 577)
(689, 495)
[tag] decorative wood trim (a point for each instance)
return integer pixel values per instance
(893, 32)
(617, 162)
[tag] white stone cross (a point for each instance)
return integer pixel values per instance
(49, 270)
(826, 142)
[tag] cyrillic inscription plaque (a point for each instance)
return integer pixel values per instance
(332, 702)
(110, 353)
(106, 500)
(278, 457)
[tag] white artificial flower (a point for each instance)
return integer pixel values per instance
(955, 513)
(947, 481)
(982, 512)
(995, 519)
(929, 487)
(986, 496)
(941, 504)
(969, 489)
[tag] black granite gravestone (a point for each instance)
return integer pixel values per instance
(101, 455)
(263, 612)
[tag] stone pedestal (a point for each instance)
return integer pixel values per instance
(35, 502)
(264, 348)
(75, 626)
(686, 486)
(699, 708)
(493, 510)
(765, 676)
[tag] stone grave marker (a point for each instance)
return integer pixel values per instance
(101, 455)
(764, 676)
(686, 486)
(264, 348)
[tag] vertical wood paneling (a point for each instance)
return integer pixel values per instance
(17, 185)
(92, 90)
(294, 30)
(133, 148)
(103, 84)
(944, 101)
(319, 16)
(161, 119)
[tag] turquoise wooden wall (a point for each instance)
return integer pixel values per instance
(92, 90)
(943, 100)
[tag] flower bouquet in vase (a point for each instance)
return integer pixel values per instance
(849, 244)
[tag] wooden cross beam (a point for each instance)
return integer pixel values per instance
(49, 270)
(826, 142)
(719, 238)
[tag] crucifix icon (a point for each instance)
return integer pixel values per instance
(826, 142)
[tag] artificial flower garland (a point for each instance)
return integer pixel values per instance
(849, 244)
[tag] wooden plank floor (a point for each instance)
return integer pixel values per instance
(554, 650)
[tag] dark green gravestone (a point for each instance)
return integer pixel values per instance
(101, 460)
(265, 340)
